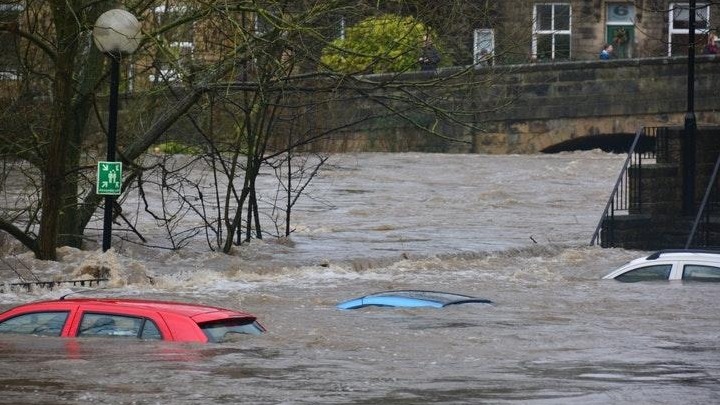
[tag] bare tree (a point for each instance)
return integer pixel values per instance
(248, 89)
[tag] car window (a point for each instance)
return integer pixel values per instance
(94, 324)
(36, 323)
(647, 273)
(694, 272)
(150, 331)
(221, 331)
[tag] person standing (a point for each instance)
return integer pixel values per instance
(429, 56)
(483, 58)
(606, 53)
(711, 48)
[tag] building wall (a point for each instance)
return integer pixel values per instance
(511, 20)
(589, 28)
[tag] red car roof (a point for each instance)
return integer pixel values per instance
(179, 308)
(176, 321)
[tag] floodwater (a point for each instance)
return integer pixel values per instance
(512, 229)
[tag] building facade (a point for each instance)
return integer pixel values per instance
(479, 31)
(577, 29)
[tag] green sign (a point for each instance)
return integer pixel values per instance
(109, 178)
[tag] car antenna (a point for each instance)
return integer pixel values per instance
(107, 291)
(79, 292)
(70, 293)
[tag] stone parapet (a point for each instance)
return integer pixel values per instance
(527, 108)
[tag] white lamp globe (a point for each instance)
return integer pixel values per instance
(116, 32)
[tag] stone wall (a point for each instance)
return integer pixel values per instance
(546, 104)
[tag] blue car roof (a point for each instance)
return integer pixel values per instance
(411, 299)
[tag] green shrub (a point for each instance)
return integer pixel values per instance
(388, 43)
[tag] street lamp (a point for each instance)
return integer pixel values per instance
(690, 121)
(116, 33)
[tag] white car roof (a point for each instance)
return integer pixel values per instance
(667, 256)
(680, 254)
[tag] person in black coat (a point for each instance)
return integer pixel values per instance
(429, 56)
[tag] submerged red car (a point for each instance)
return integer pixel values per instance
(128, 318)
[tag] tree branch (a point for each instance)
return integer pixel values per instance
(44, 46)
(17, 233)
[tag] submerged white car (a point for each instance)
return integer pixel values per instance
(686, 265)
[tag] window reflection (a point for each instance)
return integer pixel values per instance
(36, 323)
(97, 324)
(694, 272)
(648, 273)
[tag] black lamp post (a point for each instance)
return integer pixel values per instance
(116, 33)
(690, 121)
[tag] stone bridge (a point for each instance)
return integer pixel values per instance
(551, 107)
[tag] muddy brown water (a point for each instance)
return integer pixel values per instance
(513, 229)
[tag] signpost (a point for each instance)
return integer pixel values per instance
(116, 33)
(109, 178)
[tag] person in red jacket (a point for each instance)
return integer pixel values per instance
(711, 48)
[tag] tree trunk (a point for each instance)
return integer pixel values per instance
(53, 196)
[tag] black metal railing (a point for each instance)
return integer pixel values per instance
(649, 143)
(707, 214)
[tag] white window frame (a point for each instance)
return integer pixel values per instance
(483, 38)
(701, 10)
(169, 74)
(341, 24)
(162, 9)
(552, 31)
(12, 7)
(259, 26)
(629, 21)
(11, 74)
(165, 75)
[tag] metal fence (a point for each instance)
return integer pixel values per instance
(650, 143)
(707, 217)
